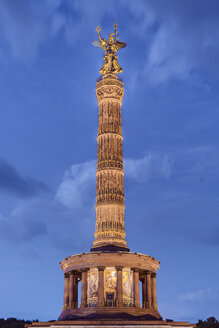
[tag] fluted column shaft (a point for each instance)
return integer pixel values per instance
(154, 291)
(148, 290)
(76, 293)
(119, 287)
(72, 289)
(84, 288)
(136, 287)
(100, 286)
(66, 292)
(110, 228)
(144, 283)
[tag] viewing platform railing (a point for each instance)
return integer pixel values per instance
(101, 77)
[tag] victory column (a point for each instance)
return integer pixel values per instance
(110, 274)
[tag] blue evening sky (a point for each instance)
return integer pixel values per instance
(48, 129)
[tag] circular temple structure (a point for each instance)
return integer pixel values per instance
(110, 285)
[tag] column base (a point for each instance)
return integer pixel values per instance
(65, 307)
(110, 312)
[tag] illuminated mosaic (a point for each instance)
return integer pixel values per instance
(92, 287)
(127, 283)
(110, 279)
(110, 286)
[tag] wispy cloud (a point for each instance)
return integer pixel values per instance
(153, 165)
(173, 47)
(12, 182)
(47, 222)
(48, 217)
(78, 182)
(23, 224)
(74, 189)
(199, 163)
(28, 24)
(168, 57)
(199, 295)
(177, 42)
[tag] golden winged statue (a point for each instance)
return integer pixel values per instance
(110, 46)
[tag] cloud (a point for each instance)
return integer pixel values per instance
(178, 42)
(175, 43)
(199, 163)
(22, 225)
(12, 182)
(54, 216)
(47, 223)
(78, 185)
(143, 16)
(74, 189)
(25, 25)
(51, 218)
(29, 23)
(153, 165)
(199, 295)
(168, 56)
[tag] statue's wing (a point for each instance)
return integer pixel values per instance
(120, 45)
(99, 44)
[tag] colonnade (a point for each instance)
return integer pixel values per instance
(149, 291)
(70, 290)
(148, 279)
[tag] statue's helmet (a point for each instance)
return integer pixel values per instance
(110, 38)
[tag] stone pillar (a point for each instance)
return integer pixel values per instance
(101, 285)
(119, 286)
(110, 175)
(136, 287)
(71, 289)
(148, 289)
(66, 292)
(144, 292)
(154, 291)
(76, 292)
(84, 288)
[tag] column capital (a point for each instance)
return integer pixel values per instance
(84, 269)
(66, 275)
(72, 272)
(100, 268)
(135, 270)
(119, 268)
(148, 272)
(153, 275)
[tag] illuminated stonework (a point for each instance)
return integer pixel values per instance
(92, 287)
(127, 285)
(110, 227)
(109, 275)
(110, 287)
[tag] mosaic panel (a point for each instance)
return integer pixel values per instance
(92, 287)
(110, 279)
(127, 283)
